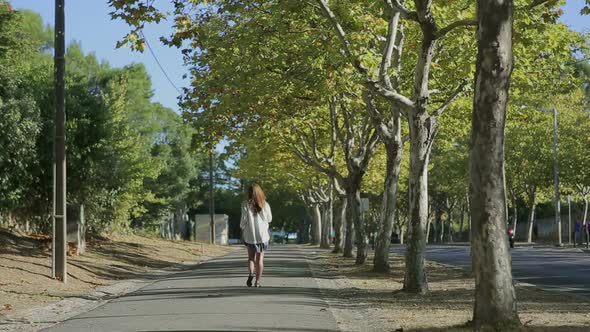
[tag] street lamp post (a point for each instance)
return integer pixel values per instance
(555, 173)
(211, 199)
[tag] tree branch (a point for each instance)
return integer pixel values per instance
(377, 117)
(310, 156)
(391, 95)
(304, 154)
(343, 39)
(390, 45)
(461, 23)
(305, 158)
(348, 141)
(396, 5)
(314, 142)
(334, 126)
(397, 58)
(449, 100)
(338, 186)
(404, 103)
(368, 150)
(536, 3)
(321, 193)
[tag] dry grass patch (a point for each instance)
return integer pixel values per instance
(25, 266)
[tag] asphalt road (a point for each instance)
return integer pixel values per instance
(564, 270)
(214, 297)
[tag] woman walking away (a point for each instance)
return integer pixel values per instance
(256, 216)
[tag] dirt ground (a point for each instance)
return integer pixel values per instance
(25, 266)
(368, 301)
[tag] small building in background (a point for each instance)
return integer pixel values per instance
(203, 224)
(76, 229)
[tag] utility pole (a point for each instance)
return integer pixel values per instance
(569, 213)
(59, 258)
(556, 177)
(555, 173)
(211, 202)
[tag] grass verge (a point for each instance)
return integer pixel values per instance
(25, 266)
(368, 301)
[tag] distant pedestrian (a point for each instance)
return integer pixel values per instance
(256, 216)
(510, 233)
(577, 231)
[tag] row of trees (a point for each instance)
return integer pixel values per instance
(130, 161)
(327, 98)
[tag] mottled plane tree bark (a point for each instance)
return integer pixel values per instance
(495, 297)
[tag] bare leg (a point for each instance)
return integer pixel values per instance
(259, 266)
(251, 257)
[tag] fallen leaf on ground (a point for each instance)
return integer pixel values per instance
(7, 306)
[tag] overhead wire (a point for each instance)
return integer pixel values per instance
(158, 62)
(142, 35)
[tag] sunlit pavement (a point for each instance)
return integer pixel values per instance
(214, 297)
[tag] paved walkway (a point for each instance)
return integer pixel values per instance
(214, 297)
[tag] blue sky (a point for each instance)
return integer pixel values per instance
(572, 17)
(88, 21)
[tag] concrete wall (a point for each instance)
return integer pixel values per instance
(545, 230)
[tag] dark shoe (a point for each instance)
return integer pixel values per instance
(249, 281)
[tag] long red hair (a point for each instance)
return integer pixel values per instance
(256, 197)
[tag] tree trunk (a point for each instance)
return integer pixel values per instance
(461, 224)
(394, 157)
(304, 238)
(514, 212)
(349, 223)
(450, 226)
(428, 226)
(339, 219)
(585, 221)
(422, 132)
(514, 219)
(354, 216)
(439, 227)
(450, 208)
(531, 220)
(495, 298)
(401, 234)
(327, 219)
(316, 227)
(469, 228)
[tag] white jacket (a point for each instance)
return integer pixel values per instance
(255, 226)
